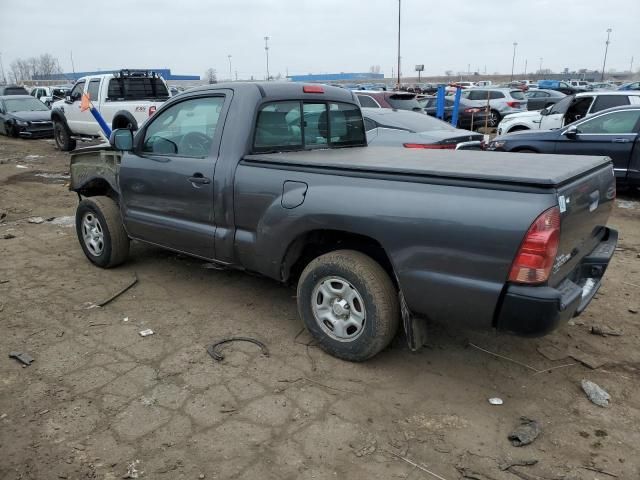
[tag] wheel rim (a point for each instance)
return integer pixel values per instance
(92, 234)
(338, 309)
(493, 119)
(59, 136)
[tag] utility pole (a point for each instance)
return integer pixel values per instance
(266, 51)
(230, 74)
(606, 50)
(525, 68)
(513, 61)
(630, 67)
(236, 75)
(399, 10)
(73, 68)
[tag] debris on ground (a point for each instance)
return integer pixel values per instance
(3, 416)
(213, 266)
(132, 471)
(495, 401)
(216, 355)
(23, 358)
(633, 309)
(604, 331)
(91, 305)
(525, 433)
(586, 359)
(506, 465)
(595, 393)
(416, 465)
(146, 332)
(63, 221)
(552, 352)
(21, 166)
(35, 220)
(8, 236)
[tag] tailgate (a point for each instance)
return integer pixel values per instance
(585, 205)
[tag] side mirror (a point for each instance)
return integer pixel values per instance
(544, 112)
(68, 99)
(571, 132)
(122, 139)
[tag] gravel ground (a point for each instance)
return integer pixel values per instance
(100, 401)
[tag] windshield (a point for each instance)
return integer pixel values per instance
(25, 105)
(517, 94)
(404, 102)
(413, 122)
(562, 105)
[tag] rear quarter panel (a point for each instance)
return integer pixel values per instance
(451, 246)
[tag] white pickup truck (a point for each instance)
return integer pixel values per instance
(567, 110)
(125, 100)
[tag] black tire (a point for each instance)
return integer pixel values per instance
(62, 136)
(12, 130)
(526, 150)
(379, 297)
(115, 242)
(494, 118)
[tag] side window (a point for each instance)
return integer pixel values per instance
(346, 126)
(563, 85)
(367, 101)
(612, 123)
(369, 124)
(562, 106)
(94, 89)
(477, 95)
(76, 91)
(279, 127)
(315, 123)
(496, 95)
(187, 129)
(607, 101)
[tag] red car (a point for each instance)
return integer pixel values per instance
(395, 100)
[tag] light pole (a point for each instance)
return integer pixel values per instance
(266, 51)
(399, 9)
(513, 61)
(606, 49)
(525, 67)
(230, 74)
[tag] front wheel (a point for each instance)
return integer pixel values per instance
(62, 137)
(101, 233)
(494, 118)
(349, 304)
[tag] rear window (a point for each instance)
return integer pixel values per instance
(136, 88)
(608, 101)
(294, 125)
(403, 102)
(517, 94)
(15, 91)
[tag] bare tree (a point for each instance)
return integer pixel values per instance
(374, 69)
(448, 73)
(211, 75)
(48, 65)
(23, 69)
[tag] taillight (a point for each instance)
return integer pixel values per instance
(312, 89)
(152, 110)
(514, 104)
(538, 250)
(432, 146)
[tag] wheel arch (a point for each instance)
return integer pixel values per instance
(96, 186)
(124, 118)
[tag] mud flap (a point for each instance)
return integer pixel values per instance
(414, 328)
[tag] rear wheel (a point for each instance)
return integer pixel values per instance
(494, 118)
(62, 136)
(101, 233)
(349, 304)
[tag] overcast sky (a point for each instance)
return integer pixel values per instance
(321, 36)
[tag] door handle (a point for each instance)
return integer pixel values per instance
(621, 140)
(199, 179)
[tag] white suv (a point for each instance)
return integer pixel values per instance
(502, 101)
(567, 110)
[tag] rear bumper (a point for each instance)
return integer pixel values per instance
(527, 310)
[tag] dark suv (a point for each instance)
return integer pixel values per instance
(13, 90)
(396, 100)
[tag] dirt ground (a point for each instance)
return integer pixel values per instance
(100, 401)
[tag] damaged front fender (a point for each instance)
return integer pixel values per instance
(94, 168)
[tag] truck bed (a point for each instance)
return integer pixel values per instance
(537, 170)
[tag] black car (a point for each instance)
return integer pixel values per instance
(537, 99)
(24, 116)
(469, 116)
(12, 90)
(612, 133)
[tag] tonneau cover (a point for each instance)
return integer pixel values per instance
(516, 168)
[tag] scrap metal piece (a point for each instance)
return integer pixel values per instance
(23, 358)
(216, 355)
(525, 433)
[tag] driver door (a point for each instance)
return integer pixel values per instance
(166, 183)
(554, 115)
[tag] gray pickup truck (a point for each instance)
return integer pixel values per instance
(276, 178)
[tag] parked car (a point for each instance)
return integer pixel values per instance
(469, 116)
(566, 111)
(630, 86)
(380, 99)
(580, 84)
(24, 116)
(502, 101)
(609, 133)
(230, 174)
(125, 99)
(12, 90)
(48, 95)
(402, 128)
(538, 99)
(560, 86)
(604, 86)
